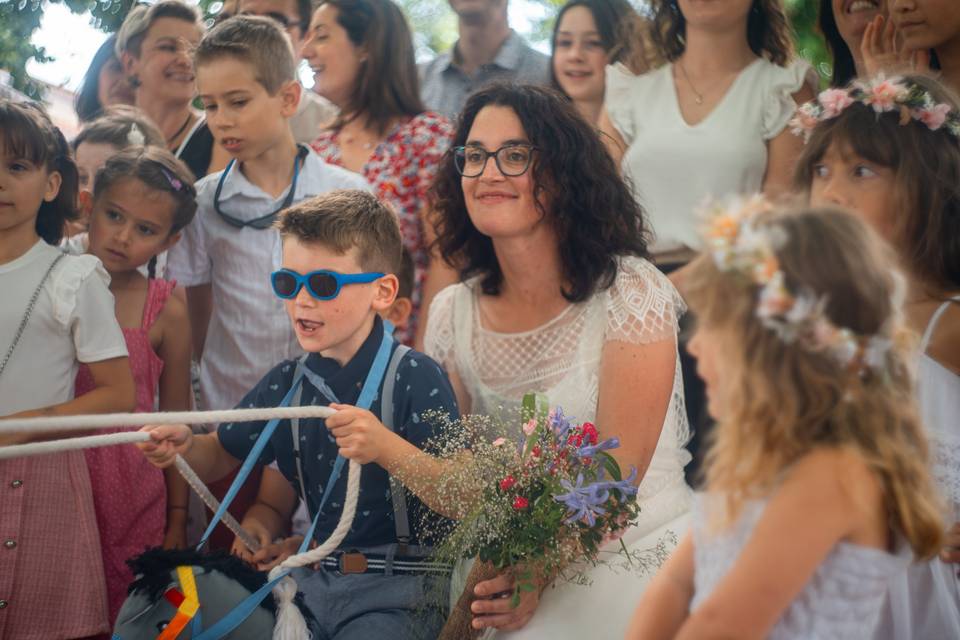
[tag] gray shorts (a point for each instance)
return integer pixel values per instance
(370, 606)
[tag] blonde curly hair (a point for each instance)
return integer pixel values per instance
(786, 401)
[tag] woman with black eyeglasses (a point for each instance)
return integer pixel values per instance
(558, 298)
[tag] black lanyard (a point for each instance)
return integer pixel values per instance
(263, 222)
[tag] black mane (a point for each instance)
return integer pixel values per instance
(152, 570)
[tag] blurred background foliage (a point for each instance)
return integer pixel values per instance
(433, 23)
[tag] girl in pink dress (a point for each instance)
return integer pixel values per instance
(142, 198)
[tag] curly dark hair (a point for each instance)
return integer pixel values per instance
(595, 215)
(768, 30)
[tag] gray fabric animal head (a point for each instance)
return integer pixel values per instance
(223, 581)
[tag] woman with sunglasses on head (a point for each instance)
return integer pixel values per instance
(558, 298)
(154, 44)
(362, 56)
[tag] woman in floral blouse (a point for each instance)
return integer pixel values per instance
(362, 57)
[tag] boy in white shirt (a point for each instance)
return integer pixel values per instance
(246, 76)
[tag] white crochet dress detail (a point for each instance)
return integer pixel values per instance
(561, 359)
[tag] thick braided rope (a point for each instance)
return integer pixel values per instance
(104, 421)
(108, 420)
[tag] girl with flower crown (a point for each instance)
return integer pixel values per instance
(817, 484)
(890, 151)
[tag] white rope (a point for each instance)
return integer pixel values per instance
(112, 420)
(70, 444)
(290, 624)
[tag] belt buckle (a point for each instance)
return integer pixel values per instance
(351, 562)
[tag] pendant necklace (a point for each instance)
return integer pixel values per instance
(698, 97)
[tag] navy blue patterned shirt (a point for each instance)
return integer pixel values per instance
(421, 387)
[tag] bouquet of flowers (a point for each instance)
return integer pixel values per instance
(546, 500)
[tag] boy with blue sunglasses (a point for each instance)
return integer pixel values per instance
(344, 247)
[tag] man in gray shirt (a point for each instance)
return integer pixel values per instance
(488, 50)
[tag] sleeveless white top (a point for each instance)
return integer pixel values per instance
(938, 390)
(841, 601)
(561, 358)
(674, 166)
(925, 602)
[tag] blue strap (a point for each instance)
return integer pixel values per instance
(241, 612)
(370, 387)
(369, 391)
(248, 465)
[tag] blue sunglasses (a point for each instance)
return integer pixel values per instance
(322, 285)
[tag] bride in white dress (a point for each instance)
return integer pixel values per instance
(559, 299)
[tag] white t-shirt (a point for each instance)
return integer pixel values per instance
(673, 166)
(73, 321)
(249, 330)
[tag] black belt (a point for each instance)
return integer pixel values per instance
(356, 562)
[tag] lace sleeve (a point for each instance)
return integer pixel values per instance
(643, 305)
(438, 339)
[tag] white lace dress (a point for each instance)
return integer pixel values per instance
(841, 601)
(925, 602)
(562, 360)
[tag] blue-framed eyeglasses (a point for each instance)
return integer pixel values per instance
(322, 285)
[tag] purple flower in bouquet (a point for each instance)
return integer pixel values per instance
(591, 450)
(559, 423)
(585, 501)
(627, 486)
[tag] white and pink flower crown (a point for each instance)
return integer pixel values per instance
(739, 244)
(884, 95)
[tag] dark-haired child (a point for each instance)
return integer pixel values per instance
(340, 256)
(120, 127)
(143, 198)
(889, 150)
(57, 313)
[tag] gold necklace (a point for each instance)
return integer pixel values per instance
(698, 96)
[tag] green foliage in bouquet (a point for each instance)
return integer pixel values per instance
(542, 503)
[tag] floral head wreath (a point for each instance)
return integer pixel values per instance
(740, 245)
(884, 95)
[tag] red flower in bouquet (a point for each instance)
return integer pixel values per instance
(520, 503)
(506, 483)
(589, 433)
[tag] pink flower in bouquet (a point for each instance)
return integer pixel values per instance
(589, 432)
(520, 502)
(883, 96)
(834, 101)
(499, 442)
(934, 117)
(506, 483)
(530, 427)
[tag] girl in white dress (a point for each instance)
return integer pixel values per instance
(902, 176)
(818, 490)
(57, 312)
(558, 298)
